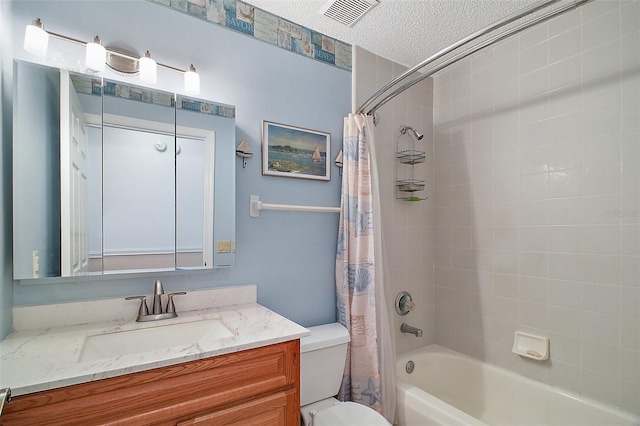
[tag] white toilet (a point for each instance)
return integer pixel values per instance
(322, 359)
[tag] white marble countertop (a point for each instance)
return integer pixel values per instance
(33, 360)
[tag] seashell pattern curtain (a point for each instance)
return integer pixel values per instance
(360, 301)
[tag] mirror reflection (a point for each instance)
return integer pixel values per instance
(114, 178)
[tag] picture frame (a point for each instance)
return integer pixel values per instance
(296, 152)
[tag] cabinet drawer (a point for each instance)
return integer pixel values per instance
(173, 392)
(266, 411)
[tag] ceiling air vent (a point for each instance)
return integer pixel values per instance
(348, 12)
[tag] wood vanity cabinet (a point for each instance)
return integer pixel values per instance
(253, 387)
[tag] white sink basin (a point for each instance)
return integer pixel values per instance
(159, 337)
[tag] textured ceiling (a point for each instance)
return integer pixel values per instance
(405, 31)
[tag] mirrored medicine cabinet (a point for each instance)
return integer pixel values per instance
(112, 178)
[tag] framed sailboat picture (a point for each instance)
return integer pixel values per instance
(291, 151)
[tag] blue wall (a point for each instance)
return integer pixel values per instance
(290, 256)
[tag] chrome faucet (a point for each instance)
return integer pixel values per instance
(406, 328)
(156, 310)
(5, 397)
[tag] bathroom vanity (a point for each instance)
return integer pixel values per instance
(242, 365)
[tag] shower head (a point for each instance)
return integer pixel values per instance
(418, 136)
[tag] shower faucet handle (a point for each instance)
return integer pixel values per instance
(404, 303)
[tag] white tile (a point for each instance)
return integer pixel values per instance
(630, 365)
(565, 266)
(533, 212)
(532, 289)
(601, 239)
(600, 386)
(534, 238)
(564, 211)
(566, 183)
(506, 238)
(601, 269)
(534, 58)
(630, 396)
(600, 358)
(565, 128)
(596, 9)
(602, 179)
(563, 23)
(534, 84)
(506, 286)
(630, 239)
(534, 264)
(630, 177)
(601, 298)
(533, 36)
(506, 262)
(532, 315)
(630, 302)
(534, 186)
(601, 60)
(630, 271)
(630, 334)
(565, 45)
(566, 74)
(603, 29)
(565, 239)
(564, 321)
(600, 209)
(601, 148)
(601, 328)
(506, 69)
(565, 376)
(565, 294)
(630, 48)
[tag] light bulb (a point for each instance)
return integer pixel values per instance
(148, 69)
(192, 81)
(96, 55)
(36, 39)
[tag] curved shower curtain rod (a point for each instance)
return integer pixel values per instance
(496, 25)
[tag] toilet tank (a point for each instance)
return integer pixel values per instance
(322, 358)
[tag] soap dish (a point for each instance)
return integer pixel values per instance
(531, 346)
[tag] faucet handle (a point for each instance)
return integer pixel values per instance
(171, 307)
(144, 310)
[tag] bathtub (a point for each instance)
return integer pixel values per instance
(449, 388)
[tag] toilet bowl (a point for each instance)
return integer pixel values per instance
(322, 358)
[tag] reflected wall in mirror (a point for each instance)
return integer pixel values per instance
(114, 178)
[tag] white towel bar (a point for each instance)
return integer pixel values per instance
(255, 205)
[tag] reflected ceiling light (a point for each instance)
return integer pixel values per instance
(148, 69)
(36, 39)
(95, 56)
(192, 81)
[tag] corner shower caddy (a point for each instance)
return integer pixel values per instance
(407, 154)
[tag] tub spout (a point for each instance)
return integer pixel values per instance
(406, 328)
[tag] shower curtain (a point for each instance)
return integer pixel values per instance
(369, 376)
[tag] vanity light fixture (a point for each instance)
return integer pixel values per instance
(192, 81)
(36, 41)
(148, 69)
(95, 55)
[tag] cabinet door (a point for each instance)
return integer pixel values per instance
(266, 411)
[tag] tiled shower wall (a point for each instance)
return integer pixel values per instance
(537, 201)
(407, 226)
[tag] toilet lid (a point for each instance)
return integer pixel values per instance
(349, 414)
